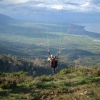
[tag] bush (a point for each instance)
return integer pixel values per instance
(5, 84)
(98, 72)
(65, 71)
(46, 78)
(95, 79)
(84, 81)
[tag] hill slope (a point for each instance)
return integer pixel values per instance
(68, 84)
(6, 19)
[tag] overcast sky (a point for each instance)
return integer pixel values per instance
(28, 8)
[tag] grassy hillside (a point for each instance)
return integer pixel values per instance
(69, 84)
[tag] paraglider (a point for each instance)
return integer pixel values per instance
(53, 61)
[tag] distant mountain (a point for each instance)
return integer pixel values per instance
(6, 19)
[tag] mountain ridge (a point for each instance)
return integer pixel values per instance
(5, 20)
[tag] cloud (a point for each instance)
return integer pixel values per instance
(95, 2)
(80, 5)
(58, 7)
(13, 1)
(29, 6)
(85, 5)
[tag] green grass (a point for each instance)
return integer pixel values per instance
(80, 84)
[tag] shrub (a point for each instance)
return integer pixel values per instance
(46, 78)
(95, 79)
(84, 81)
(5, 84)
(98, 72)
(65, 71)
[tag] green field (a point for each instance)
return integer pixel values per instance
(65, 41)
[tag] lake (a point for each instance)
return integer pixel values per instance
(91, 27)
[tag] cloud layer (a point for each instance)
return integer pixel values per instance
(16, 7)
(82, 5)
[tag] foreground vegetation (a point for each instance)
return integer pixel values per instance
(69, 84)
